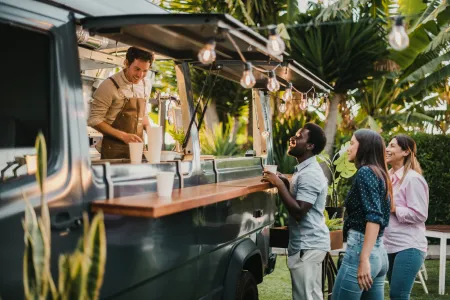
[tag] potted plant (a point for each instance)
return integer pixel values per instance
(339, 168)
(80, 273)
(335, 226)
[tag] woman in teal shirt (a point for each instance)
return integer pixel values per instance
(368, 205)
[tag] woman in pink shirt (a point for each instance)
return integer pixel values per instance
(404, 238)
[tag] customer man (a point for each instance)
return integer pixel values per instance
(118, 108)
(304, 198)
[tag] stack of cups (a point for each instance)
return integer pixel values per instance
(154, 135)
(136, 150)
(164, 184)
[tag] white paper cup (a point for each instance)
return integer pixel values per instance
(136, 152)
(164, 183)
(154, 137)
(271, 168)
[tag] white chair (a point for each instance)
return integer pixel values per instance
(423, 275)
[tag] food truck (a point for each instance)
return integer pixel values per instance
(210, 240)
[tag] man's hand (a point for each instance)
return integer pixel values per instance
(130, 138)
(271, 178)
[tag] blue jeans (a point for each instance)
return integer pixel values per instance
(346, 285)
(403, 269)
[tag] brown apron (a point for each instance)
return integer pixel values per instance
(128, 120)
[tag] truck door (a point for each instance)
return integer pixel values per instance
(36, 94)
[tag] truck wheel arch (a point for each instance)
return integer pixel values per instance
(244, 256)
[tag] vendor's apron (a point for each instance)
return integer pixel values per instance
(128, 120)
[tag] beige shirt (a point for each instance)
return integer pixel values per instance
(107, 100)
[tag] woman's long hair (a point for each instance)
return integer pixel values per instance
(410, 162)
(372, 153)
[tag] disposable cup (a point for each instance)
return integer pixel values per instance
(164, 183)
(136, 152)
(154, 135)
(271, 168)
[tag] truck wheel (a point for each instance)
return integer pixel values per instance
(247, 289)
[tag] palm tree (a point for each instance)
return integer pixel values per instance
(343, 54)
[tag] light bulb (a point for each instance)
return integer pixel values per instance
(324, 106)
(248, 79)
(275, 45)
(398, 38)
(207, 54)
(272, 84)
(282, 108)
(303, 104)
(287, 96)
(265, 134)
(315, 101)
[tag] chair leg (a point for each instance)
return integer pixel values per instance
(422, 282)
(425, 273)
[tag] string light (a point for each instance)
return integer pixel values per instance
(315, 100)
(208, 54)
(287, 96)
(272, 84)
(282, 108)
(275, 45)
(248, 79)
(304, 102)
(398, 38)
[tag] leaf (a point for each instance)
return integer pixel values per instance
(41, 150)
(96, 246)
(441, 39)
(425, 69)
(427, 82)
(411, 7)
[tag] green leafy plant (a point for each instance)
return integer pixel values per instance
(340, 168)
(177, 135)
(333, 223)
(80, 273)
(281, 213)
(219, 141)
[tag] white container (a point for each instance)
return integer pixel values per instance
(136, 152)
(154, 135)
(271, 168)
(164, 183)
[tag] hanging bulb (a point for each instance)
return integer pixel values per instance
(208, 54)
(324, 106)
(265, 134)
(248, 80)
(398, 38)
(287, 96)
(275, 45)
(303, 104)
(315, 101)
(282, 108)
(272, 84)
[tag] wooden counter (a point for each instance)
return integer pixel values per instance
(150, 205)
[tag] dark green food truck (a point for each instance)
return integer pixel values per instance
(211, 240)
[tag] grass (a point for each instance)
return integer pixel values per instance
(277, 286)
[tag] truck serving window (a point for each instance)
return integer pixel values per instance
(24, 98)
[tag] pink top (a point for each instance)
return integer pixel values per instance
(407, 226)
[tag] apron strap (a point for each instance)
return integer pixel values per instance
(114, 82)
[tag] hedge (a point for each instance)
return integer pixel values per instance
(433, 153)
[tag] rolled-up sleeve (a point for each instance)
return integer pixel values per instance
(415, 207)
(101, 102)
(368, 187)
(309, 188)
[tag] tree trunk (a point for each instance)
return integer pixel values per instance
(331, 128)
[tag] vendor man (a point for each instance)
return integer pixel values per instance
(118, 107)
